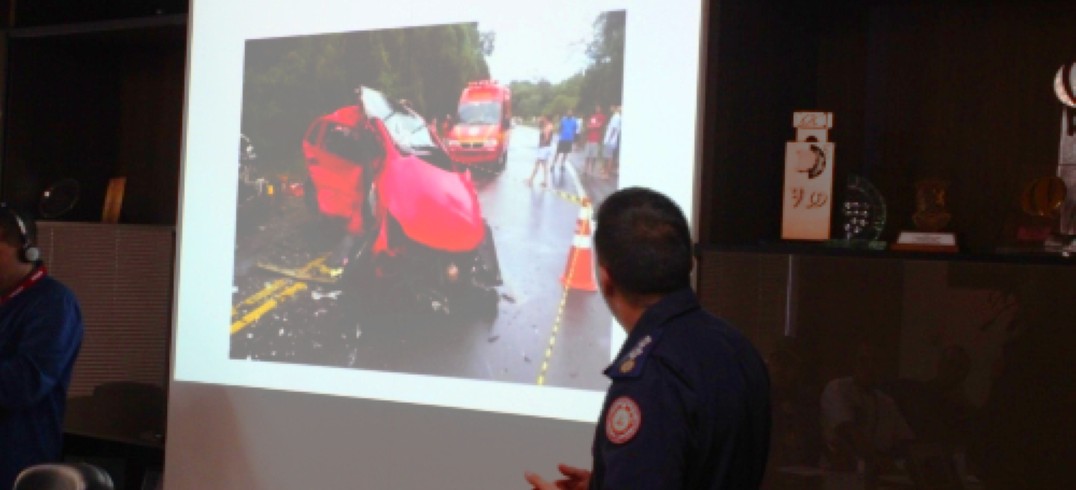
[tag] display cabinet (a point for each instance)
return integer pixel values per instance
(954, 363)
(946, 108)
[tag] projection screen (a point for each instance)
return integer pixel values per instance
(383, 287)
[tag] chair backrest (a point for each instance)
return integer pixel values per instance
(63, 476)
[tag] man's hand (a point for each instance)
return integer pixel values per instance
(575, 479)
(537, 483)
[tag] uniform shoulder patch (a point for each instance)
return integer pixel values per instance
(623, 420)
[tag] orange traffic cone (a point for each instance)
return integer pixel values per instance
(579, 272)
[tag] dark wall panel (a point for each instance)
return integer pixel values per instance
(92, 106)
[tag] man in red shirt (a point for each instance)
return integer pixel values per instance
(595, 126)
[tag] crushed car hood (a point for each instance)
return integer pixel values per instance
(435, 207)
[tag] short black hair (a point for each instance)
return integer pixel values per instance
(10, 231)
(643, 241)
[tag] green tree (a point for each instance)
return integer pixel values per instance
(532, 99)
(603, 82)
(288, 82)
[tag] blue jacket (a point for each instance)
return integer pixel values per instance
(689, 406)
(40, 336)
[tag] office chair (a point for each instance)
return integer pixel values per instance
(63, 476)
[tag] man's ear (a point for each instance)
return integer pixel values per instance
(605, 281)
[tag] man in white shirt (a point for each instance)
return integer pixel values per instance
(611, 144)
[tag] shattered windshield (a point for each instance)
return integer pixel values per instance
(408, 130)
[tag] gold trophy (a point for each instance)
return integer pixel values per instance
(931, 218)
(930, 212)
(1041, 202)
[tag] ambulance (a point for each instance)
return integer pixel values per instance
(480, 135)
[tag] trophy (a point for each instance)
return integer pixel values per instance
(808, 183)
(1065, 90)
(1041, 202)
(930, 212)
(863, 216)
(931, 218)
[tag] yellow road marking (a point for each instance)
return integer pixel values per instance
(558, 321)
(313, 264)
(567, 196)
(260, 295)
(268, 292)
(267, 306)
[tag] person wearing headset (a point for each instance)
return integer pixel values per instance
(40, 336)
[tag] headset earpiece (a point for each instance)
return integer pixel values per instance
(31, 254)
(28, 252)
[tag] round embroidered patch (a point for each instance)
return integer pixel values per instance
(623, 420)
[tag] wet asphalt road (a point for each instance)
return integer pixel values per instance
(542, 332)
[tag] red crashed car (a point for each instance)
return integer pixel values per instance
(415, 219)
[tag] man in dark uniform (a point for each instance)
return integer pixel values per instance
(689, 405)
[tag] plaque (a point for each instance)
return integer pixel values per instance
(931, 218)
(1065, 90)
(919, 241)
(808, 190)
(808, 182)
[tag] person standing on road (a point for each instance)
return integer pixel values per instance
(40, 336)
(566, 137)
(595, 124)
(611, 144)
(689, 404)
(578, 141)
(545, 147)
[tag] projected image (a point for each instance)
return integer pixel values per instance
(420, 200)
